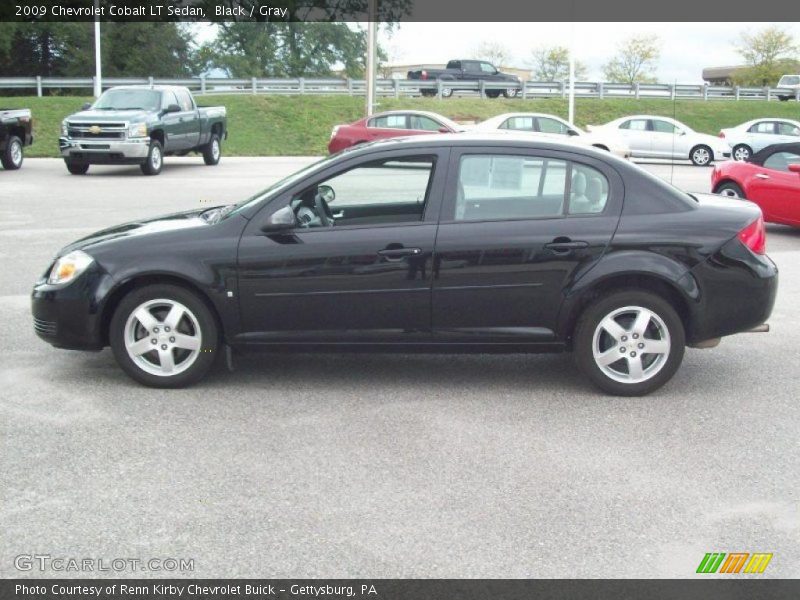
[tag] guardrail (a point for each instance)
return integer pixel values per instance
(405, 87)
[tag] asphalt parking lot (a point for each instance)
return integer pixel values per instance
(379, 466)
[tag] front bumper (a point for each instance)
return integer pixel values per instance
(129, 151)
(71, 316)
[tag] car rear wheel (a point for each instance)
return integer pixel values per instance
(76, 168)
(155, 159)
(742, 152)
(730, 189)
(12, 156)
(164, 336)
(629, 343)
(701, 156)
(212, 151)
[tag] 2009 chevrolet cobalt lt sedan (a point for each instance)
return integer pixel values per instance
(450, 243)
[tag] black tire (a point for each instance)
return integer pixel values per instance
(76, 168)
(511, 92)
(208, 333)
(701, 155)
(13, 154)
(668, 363)
(730, 189)
(155, 159)
(492, 94)
(212, 151)
(427, 93)
(741, 152)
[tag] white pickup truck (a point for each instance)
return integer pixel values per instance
(786, 84)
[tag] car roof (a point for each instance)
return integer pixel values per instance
(158, 88)
(762, 155)
(423, 113)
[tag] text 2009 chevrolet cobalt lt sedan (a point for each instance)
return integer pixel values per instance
(453, 243)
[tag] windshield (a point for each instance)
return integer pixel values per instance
(789, 80)
(128, 99)
(278, 186)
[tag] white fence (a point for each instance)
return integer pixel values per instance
(402, 87)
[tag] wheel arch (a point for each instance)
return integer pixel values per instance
(680, 291)
(117, 293)
(158, 134)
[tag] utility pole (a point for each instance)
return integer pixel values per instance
(571, 101)
(372, 27)
(98, 68)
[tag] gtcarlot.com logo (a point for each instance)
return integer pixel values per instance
(46, 562)
(734, 562)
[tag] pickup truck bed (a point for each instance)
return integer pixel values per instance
(15, 133)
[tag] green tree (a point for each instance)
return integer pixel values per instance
(280, 49)
(635, 61)
(552, 64)
(769, 54)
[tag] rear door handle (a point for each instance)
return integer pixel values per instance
(762, 176)
(566, 246)
(399, 253)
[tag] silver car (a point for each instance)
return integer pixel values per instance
(748, 138)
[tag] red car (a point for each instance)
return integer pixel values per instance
(770, 178)
(390, 124)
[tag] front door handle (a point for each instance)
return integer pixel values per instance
(565, 246)
(762, 176)
(399, 253)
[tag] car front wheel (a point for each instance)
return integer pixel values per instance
(742, 152)
(164, 336)
(155, 159)
(629, 343)
(701, 156)
(511, 93)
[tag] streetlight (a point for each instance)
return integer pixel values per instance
(98, 69)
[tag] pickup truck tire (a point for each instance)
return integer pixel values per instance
(447, 92)
(155, 159)
(12, 156)
(511, 93)
(76, 168)
(492, 94)
(212, 150)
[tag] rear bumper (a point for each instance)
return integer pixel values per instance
(132, 151)
(737, 293)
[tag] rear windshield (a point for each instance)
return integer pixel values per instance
(789, 80)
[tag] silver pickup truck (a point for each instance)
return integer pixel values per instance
(140, 125)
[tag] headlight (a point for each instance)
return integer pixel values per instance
(68, 267)
(64, 129)
(138, 130)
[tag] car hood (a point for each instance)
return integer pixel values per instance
(172, 222)
(106, 116)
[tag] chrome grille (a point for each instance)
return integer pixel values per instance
(97, 131)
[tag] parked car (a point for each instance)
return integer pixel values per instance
(469, 71)
(140, 125)
(555, 127)
(458, 242)
(15, 133)
(770, 178)
(755, 135)
(662, 137)
(389, 124)
(788, 83)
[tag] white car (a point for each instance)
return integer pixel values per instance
(661, 137)
(555, 127)
(748, 138)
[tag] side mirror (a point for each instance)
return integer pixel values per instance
(444, 130)
(326, 193)
(681, 132)
(281, 219)
(172, 108)
(572, 132)
(86, 106)
(795, 168)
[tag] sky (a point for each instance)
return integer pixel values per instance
(686, 48)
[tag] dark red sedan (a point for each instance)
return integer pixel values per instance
(770, 178)
(390, 124)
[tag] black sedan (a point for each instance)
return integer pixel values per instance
(450, 243)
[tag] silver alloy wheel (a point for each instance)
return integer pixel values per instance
(631, 344)
(155, 158)
(728, 192)
(701, 156)
(512, 92)
(215, 149)
(741, 153)
(447, 92)
(162, 337)
(16, 153)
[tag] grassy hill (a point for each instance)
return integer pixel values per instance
(301, 125)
